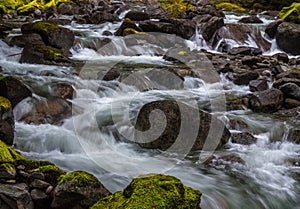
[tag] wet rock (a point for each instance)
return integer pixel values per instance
(208, 27)
(7, 171)
(7, 132)
(288, 38)
(243, 50)
(52, 35)
(224, 161)
(39, 184)
(40, 199)
(251, 19)
(291, 103)
(180, 27)
(127, 23)
(13, 89)
(245, 78)
(294, 136)
(194, 136)
(78, 190)
(258, 85)
(16, 196)
(281, 57)
(250, 60)
(68, 9)
(100, 17)
(243, 138)
(53, 112)
(291, 13)
(271, 29)
(4, 30)
(286, 80)
(137, 16)
(22, 40)
(291, 90)
(267, 101)
(42, 54)
(153, 191)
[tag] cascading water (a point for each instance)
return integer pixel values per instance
(266, 180)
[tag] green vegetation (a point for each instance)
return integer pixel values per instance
(176, 8)
(229, 7)
(8, 155)
(48, 52)
(153, 191)
(5, 105)
(78, 179)
(291, 13)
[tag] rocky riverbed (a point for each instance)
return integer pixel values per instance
(98, 97)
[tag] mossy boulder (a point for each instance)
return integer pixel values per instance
(230, 7)
(127, 23)
(13, 89)
(153, 191)
(52, 35)
(291, 13)
(41, 5)
(7, 171)
(8, 155)
(51, 172)
(78, 189)
(11, 4)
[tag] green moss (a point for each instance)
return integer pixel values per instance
(131, 31)
(182, 53)
(8, 155)
(153, 191)
(78, 179)
(11, 4)
(291, 13)
(41, 5)
(9, 168)
(229, 7)
(48, 52)
(5, 105)
(176, 7)
(48, 168)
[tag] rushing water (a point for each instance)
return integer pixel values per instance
(87, 141)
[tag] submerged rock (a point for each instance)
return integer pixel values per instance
(153, 191)
(176, 135)
(78, 189)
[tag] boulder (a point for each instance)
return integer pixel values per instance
(294, 135)
(243, 138)
(244, 50)
(7, 171)
(291, 103)
(45, 171)
(208, 27)
(127, 23)
(137, 16)
(245, 78)
(153, 191)
(251, 19)
(175, 137)
(100, 17)
(288, 38)
(78, 189)
(291, 13)
(13, 89)
(258, 85)
(6, 131)
(40, 199)
(180, 27)
(291, 90)
(271, 29)
(52, 35)
(267, 101)
(22, 40)
(286, 80)
(36, 53)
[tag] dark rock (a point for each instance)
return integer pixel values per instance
(258, 85)
(6, 132)
(53, 112)
(22, 40)
(243, 138)
(100, 17)
(209, 27)
(40, 199)
(243, 50)
(52, 35)
(47, 172)
(194, 135)
(281, 57)
(7, 171)
(180, 27)
(267, 101)
(78, 190)
(271, 29)
(42, 54)
(251, 19)
(4, 29)
(68, 9)
(127, 23)
(58, 21)
(290, 113)
(291, 103)
(153, 191)
(291, 90)
(294, 73)
(288, 38)
(286, 80)
(137, 16)
(224, 161)
(245, 78)
(250, 60)
(16, 196)
(294, 136)
(13, 89)
(39, 184)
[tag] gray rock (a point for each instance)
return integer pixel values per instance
(39, 184)
(245, 78)
(258, 85)
(291, 90)
(288, 38)
(40, 199)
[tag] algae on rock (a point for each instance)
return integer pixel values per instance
(291, 13)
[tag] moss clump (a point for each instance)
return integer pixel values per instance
(229, 7)
(291, 13)
(176, 8)
(153, 191)
(8, 168)
(5, 105)
(41, 5)
(131, 31)
(52, 173)
(8, 155)
(182, 53)
(48, 52)
(11, 4)
(78, 179)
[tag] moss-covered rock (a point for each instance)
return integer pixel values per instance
(7, 171)
(291, 13)
(52, 173)
(131, 31)
(176, 8)
(8, 155)
(153, 191)
(41, 5)
(11, 4)
(78, 189)
(5, 105)
(229, 7)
